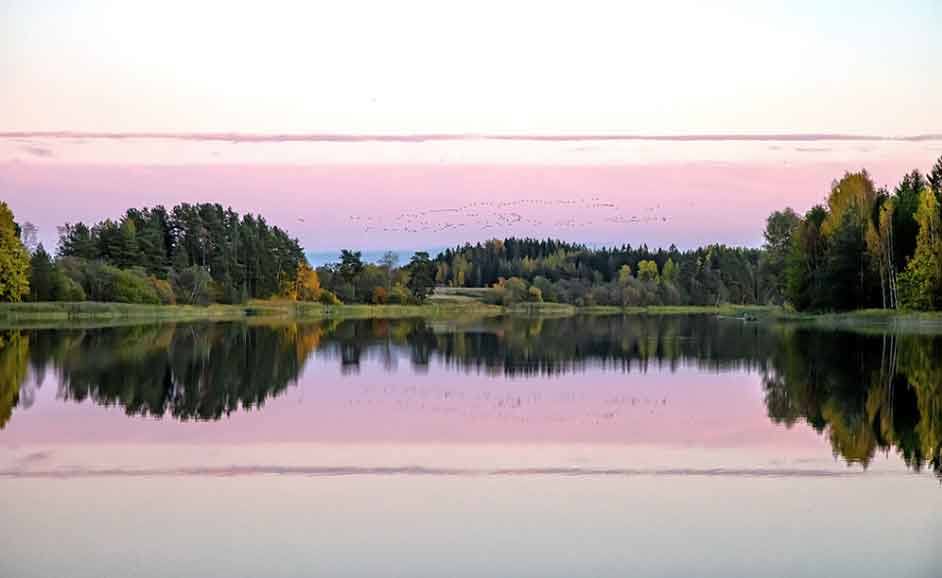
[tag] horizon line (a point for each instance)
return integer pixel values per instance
(253, 137)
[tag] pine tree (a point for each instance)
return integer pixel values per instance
(41, 275)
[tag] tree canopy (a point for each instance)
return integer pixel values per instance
(14, 259)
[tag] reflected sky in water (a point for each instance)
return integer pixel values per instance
(668, 446)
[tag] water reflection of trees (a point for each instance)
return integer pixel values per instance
(199, 371)
(867, 393)
(518, 346)
(13, 356)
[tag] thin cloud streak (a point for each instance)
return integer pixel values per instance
(336, 471)
(238, 137)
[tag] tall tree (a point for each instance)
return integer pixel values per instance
(848, 265)
(905, 228)
(935, 178)
(349, 268)
(14, 260)
(41, 277)
(422, 276)
(804, 289)
(779, 228)
(921, 283)
(880, 244)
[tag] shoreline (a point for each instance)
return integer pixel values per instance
(13, 315)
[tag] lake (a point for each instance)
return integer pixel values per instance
(579, 446)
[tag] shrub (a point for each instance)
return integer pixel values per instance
(328, 298)
(130, 287)
(65, 289)
(192, 286)
(399, 295)
(379, 295)
(536, 296)
(164, 291)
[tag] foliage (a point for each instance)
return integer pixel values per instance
(921, 282)
(779, 229)
(867, 247)
(421, 276)
(304, 285)
(243, 256)
(192, 286)
(14, 259)
(14, 357)
(572, 273)
(41, 275)
(647, 271)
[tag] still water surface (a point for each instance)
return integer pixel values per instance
(585, 446)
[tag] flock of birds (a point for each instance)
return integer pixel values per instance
(559, 407)
(488, 215)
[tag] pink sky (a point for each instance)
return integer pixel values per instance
(657, 407)
(657, 122)
(429, 195)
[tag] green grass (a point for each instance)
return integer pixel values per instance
(96, 310)
(52, 313)
(449, 305)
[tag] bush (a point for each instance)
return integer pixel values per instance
(65, 289)
(536, 296)
(327, 298)
(164, 291)
(509, 291)
(379, 295)
(399, 295)
(130, 287)
(192, 286)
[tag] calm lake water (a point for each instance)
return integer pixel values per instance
(586, 446)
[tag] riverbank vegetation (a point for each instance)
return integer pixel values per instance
(863, 248)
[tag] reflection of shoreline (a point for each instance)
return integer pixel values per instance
(865, 393)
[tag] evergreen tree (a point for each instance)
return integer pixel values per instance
(41, 278)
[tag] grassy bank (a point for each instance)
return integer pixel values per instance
(50, 313)
(64, 311)
(55, 313)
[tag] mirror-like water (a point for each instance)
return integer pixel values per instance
(595, 446)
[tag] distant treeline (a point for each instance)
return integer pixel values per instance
(865, 247)
(549, 270)
(192, 254)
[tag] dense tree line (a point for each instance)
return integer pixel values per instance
(196, 253)
(352, 280)
(191, 254)
(551, 270)
(865, 247)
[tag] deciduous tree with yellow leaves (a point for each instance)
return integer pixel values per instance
(14, 260)
(305, 286)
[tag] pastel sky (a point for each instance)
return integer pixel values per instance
(422, 124)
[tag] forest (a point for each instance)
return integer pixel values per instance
(863, 247)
